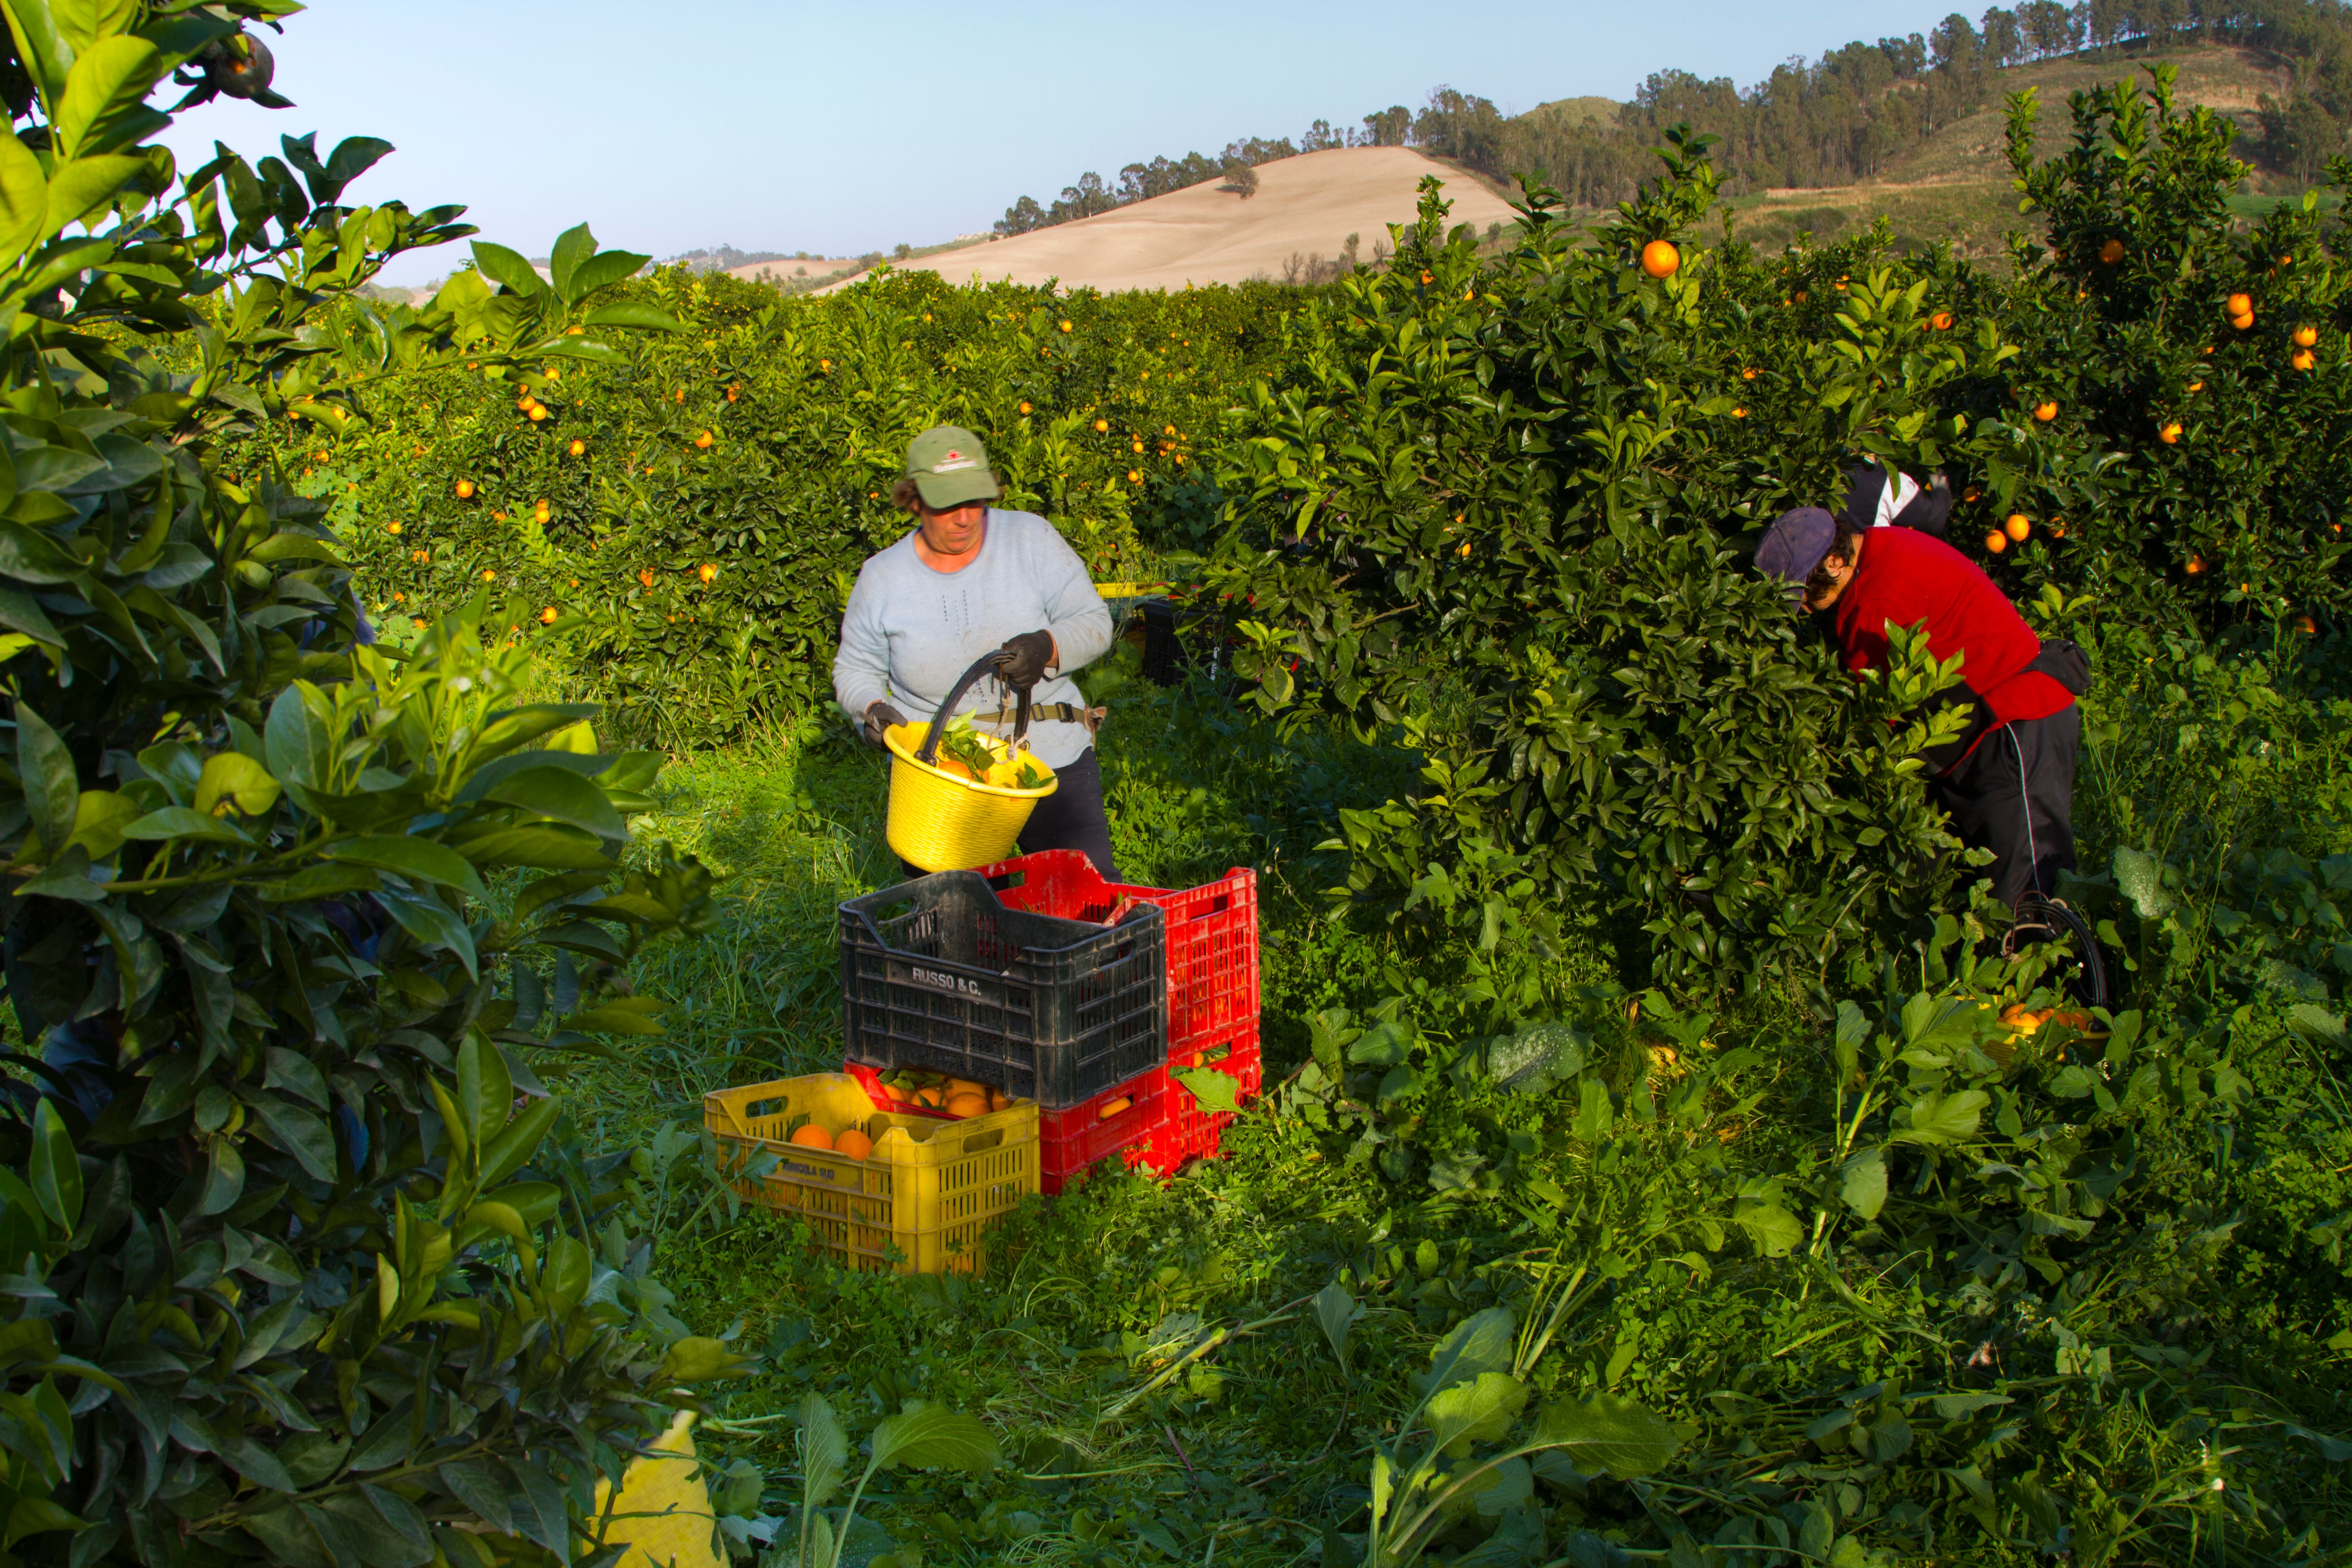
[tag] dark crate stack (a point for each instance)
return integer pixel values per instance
(940, 975)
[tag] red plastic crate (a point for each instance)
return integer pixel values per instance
(1186, 1131)
(1212, 932)
(1070, 1142)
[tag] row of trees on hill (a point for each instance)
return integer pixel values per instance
(1849, 114)
(1842, 118)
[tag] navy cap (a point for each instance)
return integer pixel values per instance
(1794, 545)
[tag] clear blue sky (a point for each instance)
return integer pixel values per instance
(845, 128)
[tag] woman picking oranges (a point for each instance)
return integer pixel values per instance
(968, 578)
(2007, 778)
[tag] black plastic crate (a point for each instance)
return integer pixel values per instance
(938, 974)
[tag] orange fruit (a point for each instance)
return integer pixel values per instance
(703, 439)
(579, 447)
(2112, 252)
(538, 413)
(2303, 358)
(705, 572)
(731, 392)
(853, 1145)
(547, 617)
(967, 1104)
(809, 1136)
(2196, 564)
(1748, 374)
(1739, 414)
(1133, 477)
(488, 576)
(998, 1099)
(1660, 259)
(929, 1093)
(1113, 1107)
(1941, 320)
(2196, 386)
(1065, 325)
(2240, 305)
(392, 528)
(897, 1091)
(2304, 625)
(1025, 408)
(465, 488)
(647, 576)
(2307, 337)
(965, 1085)
(1996, 541)
(2046, 412)
(2017, 527)
(1101, 425)
(2243, 323)
(2171, 433)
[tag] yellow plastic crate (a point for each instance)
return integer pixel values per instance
(928, 1189)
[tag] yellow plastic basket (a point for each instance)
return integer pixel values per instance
(926, 1192)
(945, 822)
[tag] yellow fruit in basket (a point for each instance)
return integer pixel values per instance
(971, 1104)
(809, 1136)
(853, 1144)
(1113, 1107)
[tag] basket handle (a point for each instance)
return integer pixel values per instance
(929, 753)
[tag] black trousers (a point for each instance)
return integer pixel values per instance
(2014, 795)
(1071, 818)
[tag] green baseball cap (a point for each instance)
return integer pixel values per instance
(950, 467)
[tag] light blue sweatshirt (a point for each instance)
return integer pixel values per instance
(910, 630)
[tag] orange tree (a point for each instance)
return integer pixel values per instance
(305, 1265)
(679, 531)
(1505, 509)
(1500, 508)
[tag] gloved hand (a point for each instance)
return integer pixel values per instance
(1023, 663)
(879, 717)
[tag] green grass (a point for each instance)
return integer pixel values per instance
(1254, 1458)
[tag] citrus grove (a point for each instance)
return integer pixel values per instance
(1658, 1162)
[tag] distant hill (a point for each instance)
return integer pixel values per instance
(1955, 185)
(1309, 215)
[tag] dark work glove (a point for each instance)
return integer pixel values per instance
(879, 717)
(1023, 663)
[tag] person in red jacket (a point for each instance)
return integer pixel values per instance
(2008, 779)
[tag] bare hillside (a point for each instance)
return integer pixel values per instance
(1305, 207)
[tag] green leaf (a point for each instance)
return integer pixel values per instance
(1480, 1342)
(1862, 1183)
(509, 270)
(510, 1150)
(1608, 1434)
(52, 789)
(300, 749)
(1538, 1057)
(1336, 1311)
(564, 796)
(638, 317)
(24, 200)
(181, 822)
(1944, 1118)
(539, 845)
(572, 246)
(233, 776)
(431, 924)
(521, 726)
(698, 1358)
(300, 1133)
(1481, 1410)
(419, 859)
(613, 1018)
(602, 270)
(1212, 1091)
(936, 1439)
(109, 82)
(77, 190)
(55, 1174)
(824, 1451)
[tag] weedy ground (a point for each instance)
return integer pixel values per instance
(1790, 1368)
